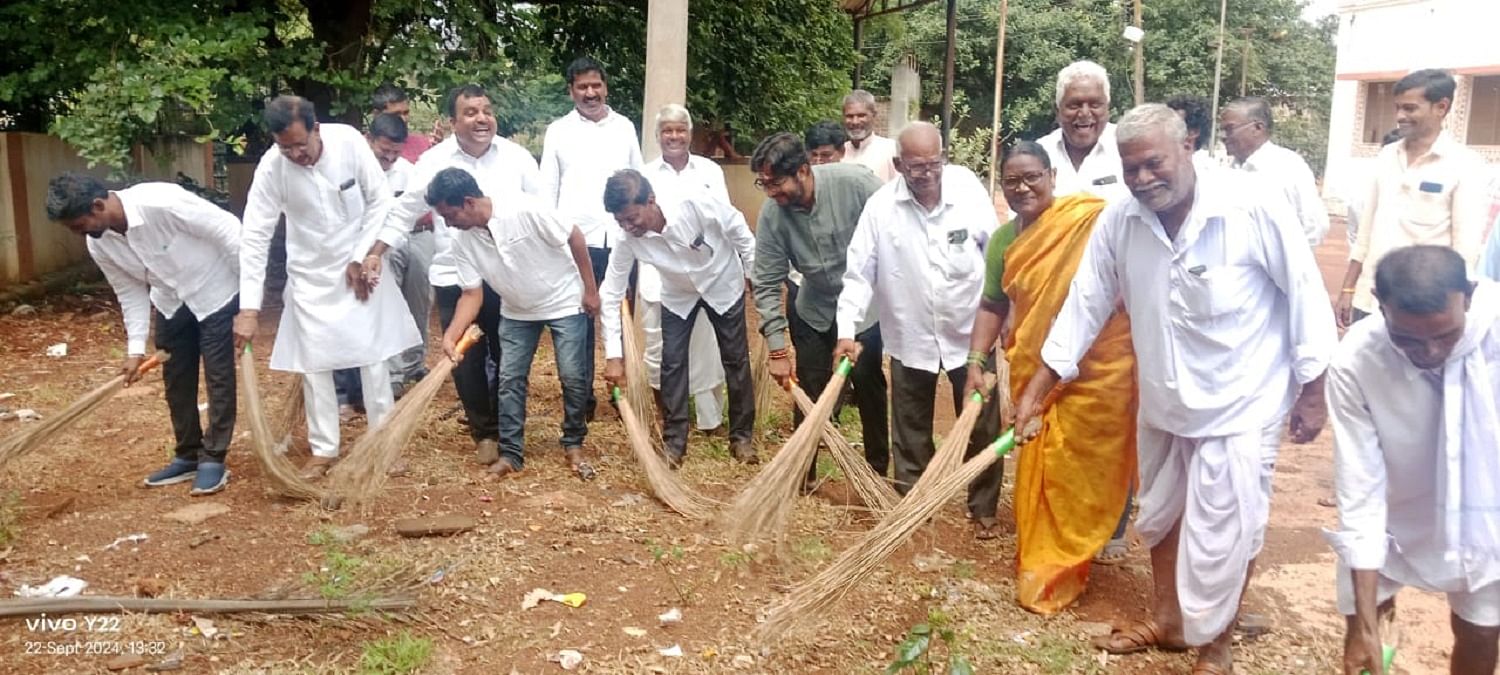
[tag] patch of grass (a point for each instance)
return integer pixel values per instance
(335, 578)
(812, 548)
(10, 517)
(401, 653)
(716, 448)
(963, 569)
(323, 537)
(827, 468)
(1052, 654)
(849, 415)
(736, 559)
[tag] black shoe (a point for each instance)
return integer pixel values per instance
(743, 451)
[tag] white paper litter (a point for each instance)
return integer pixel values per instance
(672, 615)
(131, 538)
(568, 659)
(59, 587)
(675, 651)
(58, 350)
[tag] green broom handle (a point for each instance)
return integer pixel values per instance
(614, 394)
(1388, 655)
(1005, 443)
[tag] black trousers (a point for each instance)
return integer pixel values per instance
(814, 351)
(912, 393)
(190, 342)
(734, 350)
(471, 377)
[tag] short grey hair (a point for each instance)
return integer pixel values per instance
(1255, 109)
(861, 97)
(1081, 71)
(673, 112)
(1146, 119)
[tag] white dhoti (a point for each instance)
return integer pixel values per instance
(1220, 489)
(705, 368)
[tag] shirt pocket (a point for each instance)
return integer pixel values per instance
(1211, 294)
(1430, 207)
(352, 200)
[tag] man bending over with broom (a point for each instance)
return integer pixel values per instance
(163, 247)
(701, 247)
(918, 254)
(540, 267)
(806, 224)
(1232, 330)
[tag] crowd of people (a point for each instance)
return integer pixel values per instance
(1161, 311)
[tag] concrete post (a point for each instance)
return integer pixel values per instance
(666, 66)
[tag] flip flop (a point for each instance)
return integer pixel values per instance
(1138, 637)
(1113, 552)
(986, 529)
(580, 465)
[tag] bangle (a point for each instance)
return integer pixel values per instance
(777, 354)
(977, 358)
(1347, 290)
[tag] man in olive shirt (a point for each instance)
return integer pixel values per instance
(806, 224)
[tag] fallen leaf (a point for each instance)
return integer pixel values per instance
(535, 597)
(674, 651)
(635, 632)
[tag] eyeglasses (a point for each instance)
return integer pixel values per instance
(1030, 178)
(779, 183)
(1227, 130)
(917, 169)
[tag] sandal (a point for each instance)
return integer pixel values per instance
(1136, 637)
(579, 465)
(502, 468)
(1113, 552)
(986, 529)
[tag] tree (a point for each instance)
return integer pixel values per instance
(1291, 64)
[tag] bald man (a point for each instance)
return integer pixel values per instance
(918, 252)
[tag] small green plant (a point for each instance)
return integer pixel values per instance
(736, 559)
(828, 469)
(667, 557)
(963, 569)
(323, 537)
(915, 653)
(812, 548)
(716, 449)
(401, 653)
(336, 576)
(10, 517)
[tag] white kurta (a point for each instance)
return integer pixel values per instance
(1100, 174)
(1391, 465)
(328, 208)
(1286, 170)
(578, 157)
(1227, 321)
(877, 153)
(924, 270)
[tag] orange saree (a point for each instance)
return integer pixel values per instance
(1072, 481)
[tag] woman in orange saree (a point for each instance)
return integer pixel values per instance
(1073, 481)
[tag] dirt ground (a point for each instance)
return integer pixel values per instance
(607, 539)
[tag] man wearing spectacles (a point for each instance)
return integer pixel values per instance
(805, 225)
(918, 256)
(1245, 126)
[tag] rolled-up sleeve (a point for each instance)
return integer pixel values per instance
(1091, 300)
(770, 270)
(1359, 475)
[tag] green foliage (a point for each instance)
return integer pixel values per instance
(1290, 61)
(916, 653)
(400, 653)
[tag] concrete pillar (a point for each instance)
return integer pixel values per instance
(666, 66)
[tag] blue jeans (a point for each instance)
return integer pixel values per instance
(570, 346)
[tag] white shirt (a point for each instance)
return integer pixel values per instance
(1099, 175)
(179, 249)
(333, 209)
(523, 255)
(578, 157)
(503, 169)
(1387, 418)
(877, 153)
(398, 177)
(701, 176)
(1288, 172)
(701, 253)
(1438, 199)
(926, 268)
(1226, 320)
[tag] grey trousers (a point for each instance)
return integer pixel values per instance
(409, 265)
(676, 334)
(912, 393)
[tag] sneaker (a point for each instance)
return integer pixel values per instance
(212, 477)
(177, 471)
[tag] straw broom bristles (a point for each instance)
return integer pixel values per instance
(766, 502)
(760, 378)
(283, 475)
(857, 562)
(637, 378)
(363, 472)
(951, 454)
(293, 412)
(35, 434)
(663, 481)
(877, 494)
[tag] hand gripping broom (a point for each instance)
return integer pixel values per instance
(360, 476)
(35, 434)
(858, 561)
(763, 507)
(663, 481)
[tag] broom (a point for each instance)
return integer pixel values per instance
(285, 479)
(23, 442)
(293, 412)
(760, 379)
(877, 494)
(766, 503)
(663, 481)
(637, 379)
(856, 563)
(951, 454)
(361, 475)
